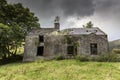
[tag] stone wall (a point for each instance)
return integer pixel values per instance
(86, 40)
(30, 48)
(55, 43)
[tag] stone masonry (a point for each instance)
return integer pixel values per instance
(47, 43)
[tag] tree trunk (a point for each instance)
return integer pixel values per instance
(15, 50)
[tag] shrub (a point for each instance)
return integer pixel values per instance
(104, 57)
(59, 57)
(11, 59)
(109, 57)
(113, 57)
(82, 58)
(95, 58)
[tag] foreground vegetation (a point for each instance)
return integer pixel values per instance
(108, 68)
(80, 68)
(60, 70)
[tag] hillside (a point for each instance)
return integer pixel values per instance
(114, 44)
(60, 70)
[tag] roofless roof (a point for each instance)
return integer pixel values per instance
(84, 31)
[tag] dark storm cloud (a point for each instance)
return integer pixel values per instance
(49, 8)
(102, 6)
(67, 7)
(109, 10)
(77, 7)
(104, 13)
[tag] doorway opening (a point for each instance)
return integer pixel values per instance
(93, 47)
(40, 50)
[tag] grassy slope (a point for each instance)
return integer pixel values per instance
(114, 44)
(60, 70)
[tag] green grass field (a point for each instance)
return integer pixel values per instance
(60, 70)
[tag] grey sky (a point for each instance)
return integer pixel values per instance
(105, 14)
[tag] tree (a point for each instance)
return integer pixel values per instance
(10, 39)
(4, 39)
(19, 21)
(3, 2)
(16, 13)
(88, 25)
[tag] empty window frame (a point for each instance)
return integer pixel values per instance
(41, 38)
(93, 48)
(70, 50)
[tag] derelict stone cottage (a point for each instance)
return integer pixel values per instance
(50, 42)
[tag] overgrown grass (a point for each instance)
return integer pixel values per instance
(60, 70)
(103, 57)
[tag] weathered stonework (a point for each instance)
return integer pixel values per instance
(74, 41)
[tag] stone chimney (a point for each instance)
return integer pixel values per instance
(56, 22)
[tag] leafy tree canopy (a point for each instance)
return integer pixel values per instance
(88, 25)
(15, 22)
(16, 13)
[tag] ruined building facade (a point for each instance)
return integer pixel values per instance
(48, 43)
